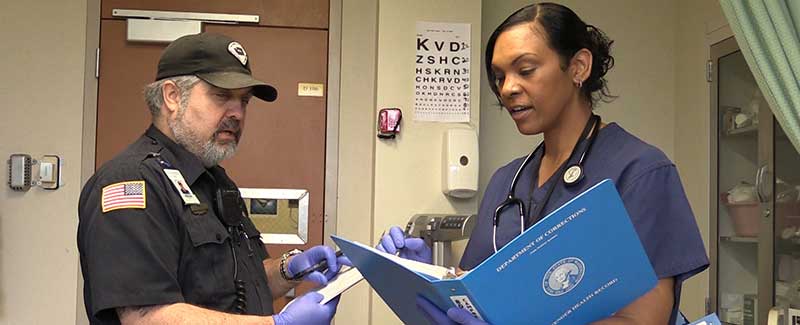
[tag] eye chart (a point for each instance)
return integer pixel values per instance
(441, 80)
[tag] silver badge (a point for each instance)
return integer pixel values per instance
(238, 52)
(572, 174)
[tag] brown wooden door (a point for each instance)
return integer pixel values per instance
(284, 141)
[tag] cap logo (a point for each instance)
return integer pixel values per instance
(238, 52)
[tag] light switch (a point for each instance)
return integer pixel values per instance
(46, 172)
(50, 172)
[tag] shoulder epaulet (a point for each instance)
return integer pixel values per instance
(161, 161)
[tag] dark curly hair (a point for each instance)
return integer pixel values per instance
(566, 34)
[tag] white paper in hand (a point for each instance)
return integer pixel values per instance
(347, 278)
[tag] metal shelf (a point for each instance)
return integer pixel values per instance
(742, 131)
(735, 239)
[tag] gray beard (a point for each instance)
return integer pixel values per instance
(207, 150)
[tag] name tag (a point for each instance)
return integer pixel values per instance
(181, 186)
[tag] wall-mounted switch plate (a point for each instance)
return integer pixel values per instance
(50, 172)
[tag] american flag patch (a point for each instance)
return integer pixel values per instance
(124, 195)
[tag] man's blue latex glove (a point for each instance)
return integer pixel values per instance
(314, 255)
(409, 248)
(452, 317)
(307, 310)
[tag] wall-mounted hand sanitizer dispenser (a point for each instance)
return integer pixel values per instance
(460, 163)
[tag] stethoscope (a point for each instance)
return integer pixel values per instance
(571, 176)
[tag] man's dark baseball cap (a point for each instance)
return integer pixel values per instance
(214, 58)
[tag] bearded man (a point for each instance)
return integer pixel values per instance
(152, 250)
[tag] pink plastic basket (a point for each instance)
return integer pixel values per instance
(745, 218)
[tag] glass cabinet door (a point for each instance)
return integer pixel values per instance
(737, 159)
(755, 221)
(786, 184)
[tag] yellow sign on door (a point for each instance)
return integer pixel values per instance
(310, 89)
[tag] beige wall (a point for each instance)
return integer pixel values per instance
(383, 183)
(357, 142)
(408, 169)
(43, 45)
(698, 25)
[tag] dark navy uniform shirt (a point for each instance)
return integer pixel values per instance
(149, 248)
(647, 181)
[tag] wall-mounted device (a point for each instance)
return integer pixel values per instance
(440, 231)
(460, 163)
(167, 26)
(389, 122)
(25, 172)
(50, 172)
(19, 172)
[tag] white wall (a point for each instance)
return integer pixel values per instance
(41, 91)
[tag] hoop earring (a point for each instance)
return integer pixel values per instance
(579, 84)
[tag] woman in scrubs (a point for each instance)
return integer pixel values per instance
(547, 68)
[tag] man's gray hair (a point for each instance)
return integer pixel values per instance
(154, 95)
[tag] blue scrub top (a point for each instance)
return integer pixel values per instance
(647, 181)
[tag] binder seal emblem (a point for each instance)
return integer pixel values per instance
(563, 276)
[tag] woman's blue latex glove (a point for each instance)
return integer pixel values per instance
(453, 316)
(409, 248)
(314, 255)
(307, 310)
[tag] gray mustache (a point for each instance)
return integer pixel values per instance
(231, 125)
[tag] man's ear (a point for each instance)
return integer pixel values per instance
(172, 97)
(581, 65)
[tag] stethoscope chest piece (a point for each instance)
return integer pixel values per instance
(573, 175)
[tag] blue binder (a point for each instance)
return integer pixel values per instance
(579, 264)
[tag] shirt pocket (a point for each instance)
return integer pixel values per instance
(206, 261)
(205, 229)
